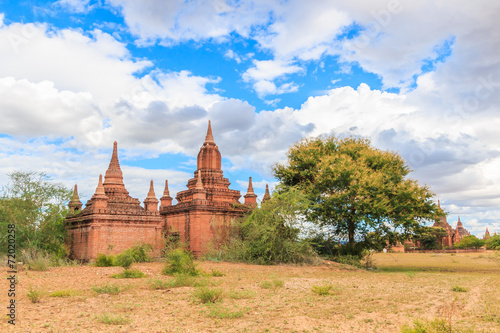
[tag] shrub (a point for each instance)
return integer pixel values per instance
(107, 289)
(129, 274)
(493, 243)
(206, 295)
(140, 252)
(104, 260)
(110, 319)
(35, 260)
(322, 290)
(459, 289)
(217, 273)
(124, 259)
(35, 295)
(181, 262)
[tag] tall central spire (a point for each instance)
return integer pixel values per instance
(114, 174)
(209, 157)
(209, 137)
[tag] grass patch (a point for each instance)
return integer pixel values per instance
(110, 319)
(206, 295)
(110, 289)
(459, 289)
(322, 290)
(274, 284)
(424, 326)
(220, 312)
(241, 294)
(35, 295)
(216, 273)
(61, 293)
(129, 274)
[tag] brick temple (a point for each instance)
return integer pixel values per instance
(113, 221)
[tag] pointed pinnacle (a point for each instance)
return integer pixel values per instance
(166, 192)
(75, 194)
(250, 187)
(100, 188)
(199, 183)
(151, 193)
(209, 137)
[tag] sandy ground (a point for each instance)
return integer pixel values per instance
(360, 301)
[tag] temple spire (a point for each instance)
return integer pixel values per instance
(166, 192)
(267, 196)
(250, 197)
(199, 183)
(209, 137)
(151, 203)
(100, 188)
(75, 205)
(250, 186)
(166, 199)
(114, 174)
(151, 193)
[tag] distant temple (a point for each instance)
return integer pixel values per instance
(112, 221)
(453, 236)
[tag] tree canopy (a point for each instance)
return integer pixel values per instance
(469, 242)
(357, 189)
(37, 207)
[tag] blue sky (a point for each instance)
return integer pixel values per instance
(76, 75)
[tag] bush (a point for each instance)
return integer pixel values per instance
(35, 260)
(35, 295)
(459, 289)
(217, 273)
(129, 274)
(322, 290)
(206, 295)
(140, 252)
(181, 262)
(493, 243)
(104, 260)
(124, 260)
(469, 242)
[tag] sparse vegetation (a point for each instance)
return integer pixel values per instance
(216, 273)
(110, 289)
(220, 312)
(61, 293)
(459, 289)
(35, 295)
(274, 284)
(129, 274)
(322, 290)
(181, 262)
(208, 295)
(112, 319)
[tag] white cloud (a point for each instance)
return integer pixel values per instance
(2, 16)
(97, 64)
(76, 6)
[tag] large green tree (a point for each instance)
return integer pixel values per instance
(357, 189)
(37, 207)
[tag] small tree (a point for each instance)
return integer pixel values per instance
(272, 234)
(37, 206)
(469, 242)
(493, 243)
(356, 189)
(428, 237)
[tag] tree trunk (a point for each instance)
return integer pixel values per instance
(351, 234)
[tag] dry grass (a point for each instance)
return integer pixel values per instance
(407, 288)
